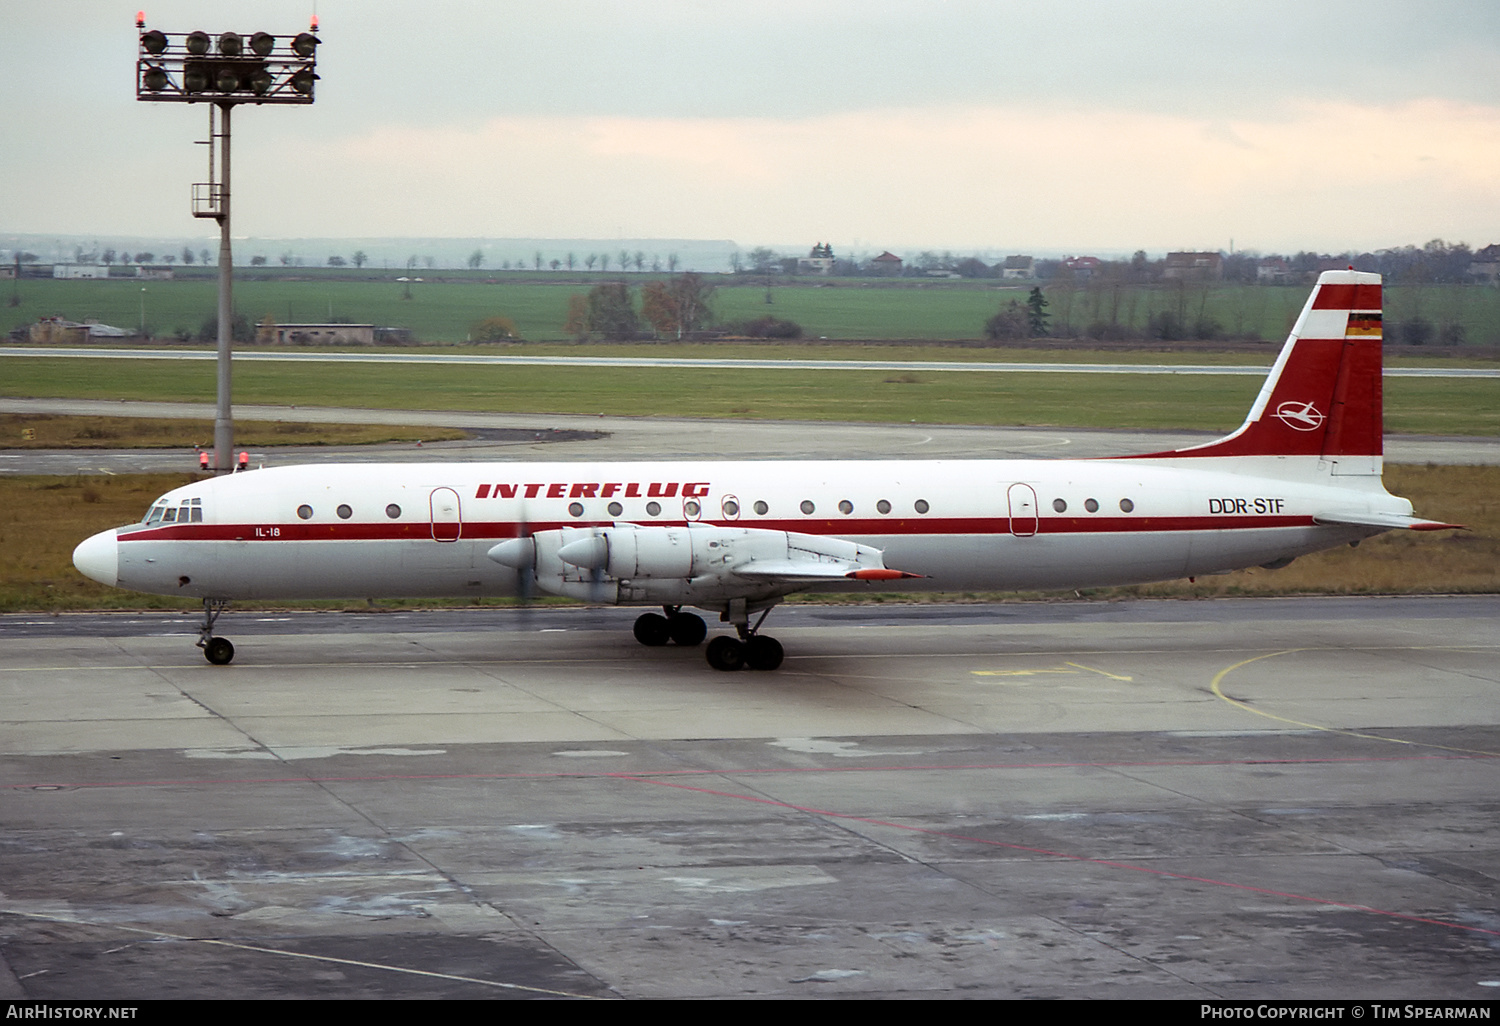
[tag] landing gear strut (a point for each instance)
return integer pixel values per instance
(218, 651)
(686, 629)
(751, 649)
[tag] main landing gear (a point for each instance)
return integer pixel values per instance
(218, 651)
(685, 629)
(751, 649)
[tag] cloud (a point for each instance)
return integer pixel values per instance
(1318, 174)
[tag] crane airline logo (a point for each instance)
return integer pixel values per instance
(1299, 416)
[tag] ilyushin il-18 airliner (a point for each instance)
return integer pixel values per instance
(1302, 473)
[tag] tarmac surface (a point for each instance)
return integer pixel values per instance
(1238, 799)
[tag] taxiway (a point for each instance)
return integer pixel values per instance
(1237, 799)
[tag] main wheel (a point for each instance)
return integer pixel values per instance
(652, 629)
(763, 653)
(687, 629)
(726, 653)
(218, 651)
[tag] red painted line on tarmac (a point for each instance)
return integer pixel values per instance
(657, 777)
(1251, 888)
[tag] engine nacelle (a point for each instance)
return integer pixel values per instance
(683, 565)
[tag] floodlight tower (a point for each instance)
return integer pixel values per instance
(223, 70)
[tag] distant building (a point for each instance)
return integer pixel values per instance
(819, 261)
(315, 334)
(57, 331)
(1273, 271)
(160, 272)
(886, 264)
(1021, 268)
(79, 271)
(1084, 267)
(1486, 263)
(1193, 267)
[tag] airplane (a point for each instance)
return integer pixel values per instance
(1302, 473)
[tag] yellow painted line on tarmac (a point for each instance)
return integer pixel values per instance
(1217, 688)
(1072, 668)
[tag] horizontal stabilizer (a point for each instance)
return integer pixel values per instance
(1389, 521)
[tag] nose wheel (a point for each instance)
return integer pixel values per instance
(218, 651)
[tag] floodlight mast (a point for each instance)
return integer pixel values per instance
(222, 71)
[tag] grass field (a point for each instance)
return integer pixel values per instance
(59, 432)
(43, 518)
(1188, 402)
(833, 308)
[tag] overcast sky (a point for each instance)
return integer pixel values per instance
(987, 125)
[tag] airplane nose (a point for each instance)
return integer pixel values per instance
(99, 557)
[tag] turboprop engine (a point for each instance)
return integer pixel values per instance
(704, 566)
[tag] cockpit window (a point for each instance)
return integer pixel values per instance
(164, 512)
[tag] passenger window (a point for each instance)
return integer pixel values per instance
(615, 509)
(846, 507)
(761, 509)
(305, 511)
(1092, 505)
(807, 506)
(921, 506)
(883, 506)
(653, 509)
(1060, 505)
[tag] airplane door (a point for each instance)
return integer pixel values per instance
(447, 523)
(1023, 517)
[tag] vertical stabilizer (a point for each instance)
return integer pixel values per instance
(1323, 396)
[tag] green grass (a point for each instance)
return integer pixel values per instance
(1195, 402)
(834, 308)
(50, 431)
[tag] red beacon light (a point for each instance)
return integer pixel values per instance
(314, 26)
(244, 461)
(202, 461)
(140, 19)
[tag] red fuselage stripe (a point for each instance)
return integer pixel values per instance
(938, 526)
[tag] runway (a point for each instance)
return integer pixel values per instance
(555, 437)
(1237, 799)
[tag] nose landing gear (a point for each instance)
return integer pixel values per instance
(218, 651)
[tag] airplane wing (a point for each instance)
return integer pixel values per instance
(1389, 521)
(793, 572)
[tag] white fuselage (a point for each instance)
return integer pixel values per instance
(410, 530)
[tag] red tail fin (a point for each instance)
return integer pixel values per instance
(1323, 396)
